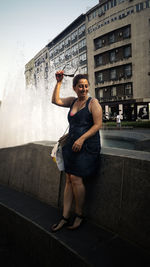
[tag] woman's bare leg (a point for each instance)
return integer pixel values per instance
(79, 195)
(68, 197)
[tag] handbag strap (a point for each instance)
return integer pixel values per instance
(66, 129)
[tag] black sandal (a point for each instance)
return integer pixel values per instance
(54, 226)
(82, 220)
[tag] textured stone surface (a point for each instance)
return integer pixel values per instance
(135, 204)
(117, 197)
(103, 193)
(30, 169)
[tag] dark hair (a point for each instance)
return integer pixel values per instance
(79, 77)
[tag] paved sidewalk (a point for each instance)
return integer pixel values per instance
(99, 247)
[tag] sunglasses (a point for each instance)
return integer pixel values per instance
(65, 74)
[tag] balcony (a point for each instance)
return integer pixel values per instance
(116, 63)
(67, 44)
(82, 49)
(83, 62)
(74, 40)
(81, 35)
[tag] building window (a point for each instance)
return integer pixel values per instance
(113, 74)
(74, 62)
(99, 77)
(100, 93)
(127, 70)
(127, 51)
(68, 53)
(128, 89)
(81, 30)
(67, 41)
(120, 1)
(56, 61)
(74, 49)
(147, 4)
(46, 67)
(98, 43)
(92, 15)
(82, 58)
(62, 57)
(112, 56)
(84, 70)
(74, 36)
(139, 7)
(111, 38)
(56, 50)
(100, 11)
(98, 61)
(82, 43)
(113, 3)
(106, 6)
(126, 32)
(94, 27)
(113, 91)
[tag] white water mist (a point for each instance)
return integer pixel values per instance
(27, 114)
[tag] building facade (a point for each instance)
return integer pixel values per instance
(112, 43)
(118, 45)
(36, 70)
(67, 48)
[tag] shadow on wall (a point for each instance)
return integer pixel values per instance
(117, 197)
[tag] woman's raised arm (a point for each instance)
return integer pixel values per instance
(63, 102)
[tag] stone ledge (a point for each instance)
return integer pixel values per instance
(27, 225)
(117, 198)
(32, 245)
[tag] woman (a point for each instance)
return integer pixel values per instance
(81, 153)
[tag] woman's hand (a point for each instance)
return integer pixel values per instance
(59, 75)
(78, 144)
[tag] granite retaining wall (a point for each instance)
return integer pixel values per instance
(117, 197)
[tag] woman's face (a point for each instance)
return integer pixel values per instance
(82, 88)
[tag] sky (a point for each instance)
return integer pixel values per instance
(26, 26)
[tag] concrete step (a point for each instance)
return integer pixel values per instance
(27, 221)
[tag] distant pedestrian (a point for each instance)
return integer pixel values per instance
(118, 120)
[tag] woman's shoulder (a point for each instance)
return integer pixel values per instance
(93, 100)
(94, 103)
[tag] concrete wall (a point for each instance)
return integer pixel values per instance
(117, 198)
(30, 169)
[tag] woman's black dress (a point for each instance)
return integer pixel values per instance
(84, 162)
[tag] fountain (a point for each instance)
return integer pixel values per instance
(27, 114)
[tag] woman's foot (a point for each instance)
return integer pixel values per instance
(63, 222)
(77, 222)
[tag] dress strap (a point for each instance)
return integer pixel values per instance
(88, 101)
(73, 103)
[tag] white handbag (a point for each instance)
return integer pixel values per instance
(56, 153)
